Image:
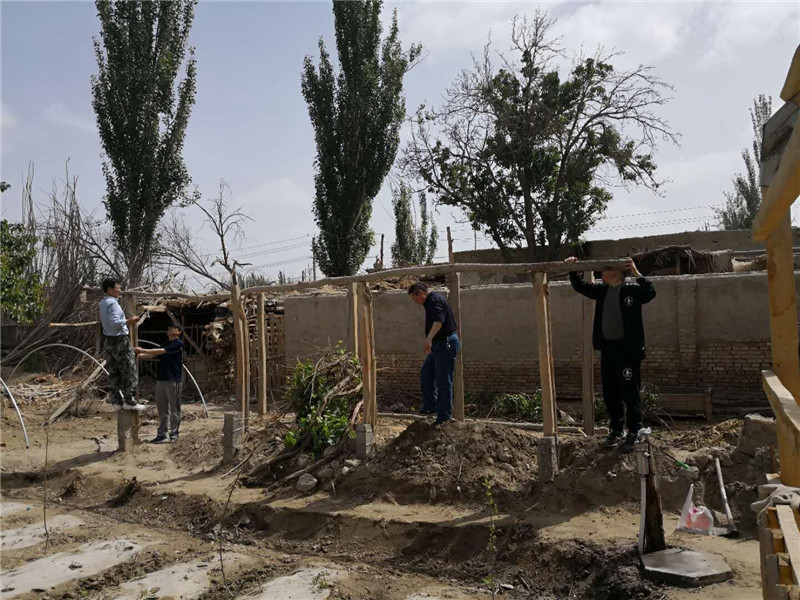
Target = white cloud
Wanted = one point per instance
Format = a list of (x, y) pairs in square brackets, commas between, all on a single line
[(7, 119), (742, 27), (60, 114), (644, 31)]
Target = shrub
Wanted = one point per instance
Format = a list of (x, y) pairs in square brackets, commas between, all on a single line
[(323, 393)]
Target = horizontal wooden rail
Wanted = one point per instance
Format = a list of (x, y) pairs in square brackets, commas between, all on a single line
[(787, 416), (551, 268)]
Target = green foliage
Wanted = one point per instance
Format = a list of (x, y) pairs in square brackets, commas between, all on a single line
[(332, 380), (528, 153), (356, 115), (513, 407), (142, 117), (412, 245), (742, 204), (23, 297)]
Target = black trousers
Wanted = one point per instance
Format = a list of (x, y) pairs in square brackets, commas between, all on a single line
[(621, 382)]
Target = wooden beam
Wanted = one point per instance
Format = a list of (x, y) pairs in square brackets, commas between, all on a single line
[(791, 87), (791, 538), (782, 192), (83, 324), (242, 358), (367, 348), (352, 319), (131, 308), (783, 307), (787, 419), (545, 354), (262, 357), (587, 360), (188, 338), (455, 305), (551, 268), (458, 375)]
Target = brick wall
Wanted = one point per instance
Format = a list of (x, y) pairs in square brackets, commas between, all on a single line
[(732, 370)]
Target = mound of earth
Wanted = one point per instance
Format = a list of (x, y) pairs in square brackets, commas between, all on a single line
[(428, 463)]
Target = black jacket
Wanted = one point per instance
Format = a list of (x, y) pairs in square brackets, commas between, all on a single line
[(631, 297)]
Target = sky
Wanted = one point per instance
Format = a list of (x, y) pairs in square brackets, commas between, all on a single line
[(250, 124)]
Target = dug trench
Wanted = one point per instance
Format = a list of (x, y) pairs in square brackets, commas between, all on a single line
[(381, 522)]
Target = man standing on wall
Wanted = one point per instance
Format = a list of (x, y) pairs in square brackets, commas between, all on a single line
[(120, 360), (168, 383), (619, 336), (442, 346)]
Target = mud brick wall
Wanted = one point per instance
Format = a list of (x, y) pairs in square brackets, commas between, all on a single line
[(704, 331)]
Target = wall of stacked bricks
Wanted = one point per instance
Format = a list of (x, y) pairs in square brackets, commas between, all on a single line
[(703, 331)]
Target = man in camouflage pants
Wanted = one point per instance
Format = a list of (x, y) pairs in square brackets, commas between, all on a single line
[(120, 359)]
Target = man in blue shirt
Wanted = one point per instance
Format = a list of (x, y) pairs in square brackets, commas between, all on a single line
[(168, 384), (120, 360), (442, 346)]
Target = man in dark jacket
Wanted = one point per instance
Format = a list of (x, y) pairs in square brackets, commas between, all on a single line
[(168, 384), (442, 346), (618, 334)]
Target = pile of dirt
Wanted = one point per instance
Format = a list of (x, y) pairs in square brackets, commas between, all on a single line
[(450, 462)]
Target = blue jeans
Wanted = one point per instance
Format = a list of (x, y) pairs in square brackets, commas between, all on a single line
[(436, 378)]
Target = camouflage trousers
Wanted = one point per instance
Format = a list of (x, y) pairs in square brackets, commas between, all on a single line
[(121, 367)]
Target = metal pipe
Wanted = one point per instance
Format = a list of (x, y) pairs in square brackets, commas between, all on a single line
[(24, 358), (189, 373), (19, 414)]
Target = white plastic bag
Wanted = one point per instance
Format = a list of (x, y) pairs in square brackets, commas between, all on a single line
[(695, 519)]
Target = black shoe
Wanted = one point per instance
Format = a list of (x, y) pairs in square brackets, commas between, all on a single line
[(613, 439), (173, 437), (630, 440), (160, 439)]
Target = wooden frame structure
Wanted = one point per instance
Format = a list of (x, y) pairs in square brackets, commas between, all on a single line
[(779, 535), (360, 338)]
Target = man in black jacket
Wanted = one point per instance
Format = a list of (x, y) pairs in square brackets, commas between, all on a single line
[(619, 336)]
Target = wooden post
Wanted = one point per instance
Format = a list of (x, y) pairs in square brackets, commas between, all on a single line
[(133, 332), (262, 357), (654, 516), (231, 437), (783, 306), (587, 362), (367, 347), (241, 347), (545, 354), (352, 319), (455, 304), (245, 328)]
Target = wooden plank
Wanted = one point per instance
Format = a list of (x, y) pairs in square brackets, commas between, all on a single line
[(367, 347), (777, 133), (545, 354), (83, 324), (239, 348), (245, 328), (263, 371), (783, 307), (782, 192), (787, 418), (352, 319), (791, 537), (791, 86), (587, 360)]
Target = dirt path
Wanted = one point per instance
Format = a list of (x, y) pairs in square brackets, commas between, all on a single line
[(163, 534)]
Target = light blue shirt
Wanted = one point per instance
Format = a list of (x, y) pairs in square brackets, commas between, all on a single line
[(112, 317)]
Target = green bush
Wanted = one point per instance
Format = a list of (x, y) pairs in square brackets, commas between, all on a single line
[(334, 376), (514, 407), (23, 294)]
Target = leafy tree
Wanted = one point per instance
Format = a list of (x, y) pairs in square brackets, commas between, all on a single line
[(142, 117), (4, 186), (356, 115), (741, 205), (529, 153), (412, 245), (23, 296)]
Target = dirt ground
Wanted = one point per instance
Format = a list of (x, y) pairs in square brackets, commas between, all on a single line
[(414, 522)]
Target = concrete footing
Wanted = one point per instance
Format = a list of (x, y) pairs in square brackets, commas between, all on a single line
[(364, 441), (128, 421), (687, 568), (547, 453), (231, 436)]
